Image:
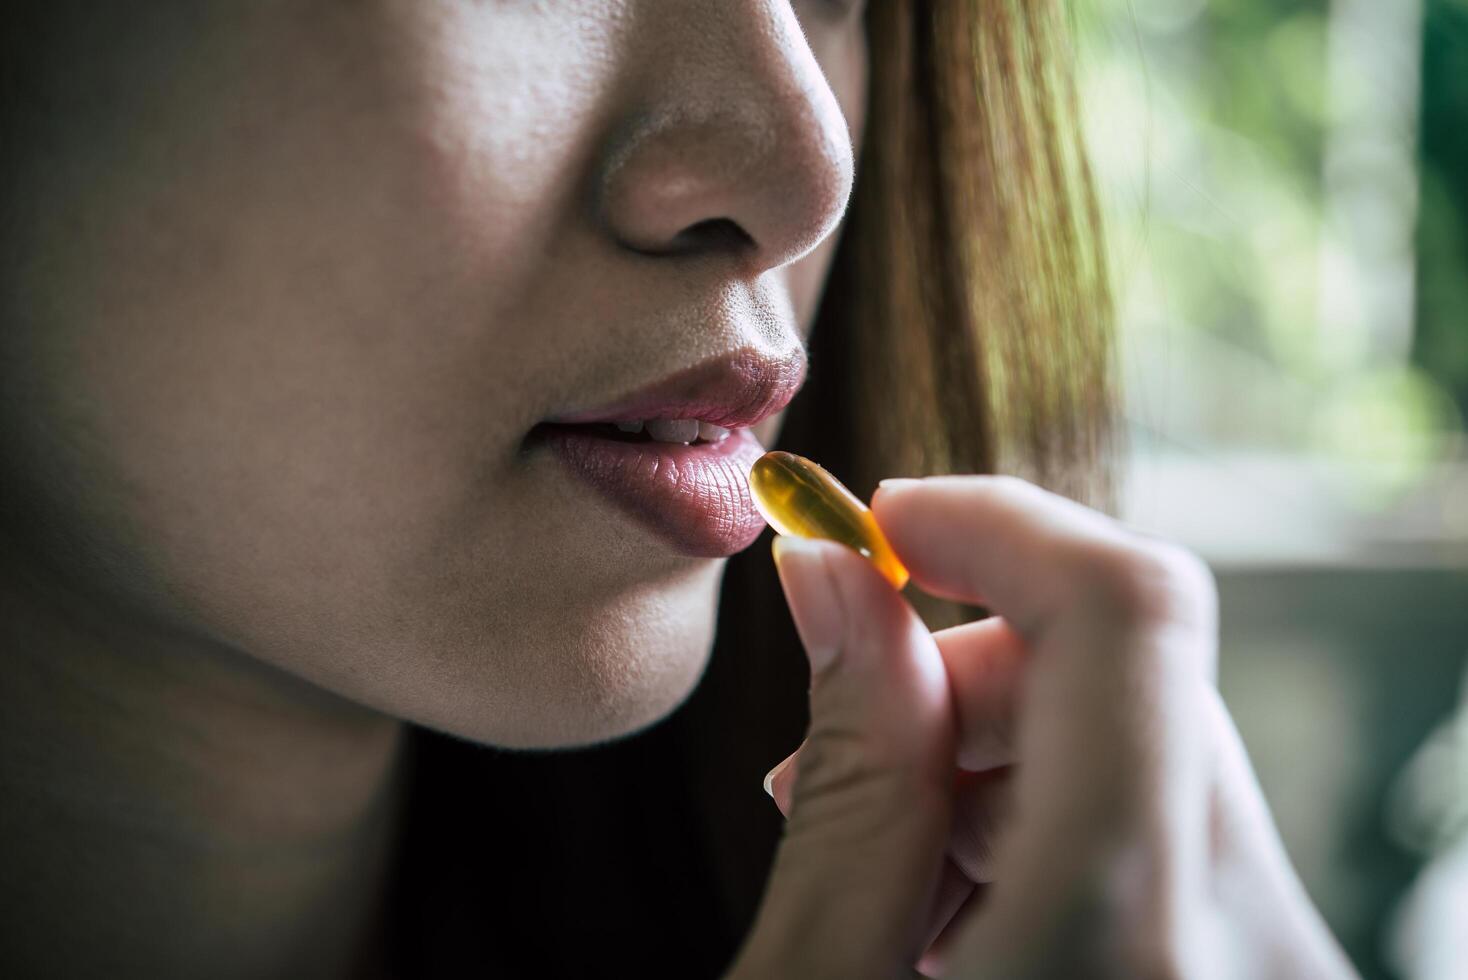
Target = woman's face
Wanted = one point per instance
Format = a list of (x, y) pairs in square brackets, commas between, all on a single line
[(293, 289)]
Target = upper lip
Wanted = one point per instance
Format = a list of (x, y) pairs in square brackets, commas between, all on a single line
[(737, 389)]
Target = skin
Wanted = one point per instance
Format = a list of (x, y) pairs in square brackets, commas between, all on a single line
[(1056, 791), (286, 284)]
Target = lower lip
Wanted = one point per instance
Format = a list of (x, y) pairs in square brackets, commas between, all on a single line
[(696, 496)]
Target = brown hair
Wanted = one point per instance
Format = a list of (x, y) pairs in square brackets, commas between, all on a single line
[(966, 325), (964, 329)]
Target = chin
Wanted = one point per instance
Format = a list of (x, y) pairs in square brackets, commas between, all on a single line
[(611, 671)]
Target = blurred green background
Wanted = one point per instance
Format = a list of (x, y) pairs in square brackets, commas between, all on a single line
[(1286, 186)]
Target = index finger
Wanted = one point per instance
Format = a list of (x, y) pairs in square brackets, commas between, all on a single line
[(1121, 633), (1033, 556)]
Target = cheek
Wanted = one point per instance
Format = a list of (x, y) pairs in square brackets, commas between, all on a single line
[(300, 318), (501, 123), (284, 378)]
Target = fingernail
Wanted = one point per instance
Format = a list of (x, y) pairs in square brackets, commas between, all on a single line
[(898, 483), (770, 776), (819, 616)]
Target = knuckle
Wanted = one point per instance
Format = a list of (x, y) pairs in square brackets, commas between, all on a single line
[(1147, 582), (845, 773), (841, 761)]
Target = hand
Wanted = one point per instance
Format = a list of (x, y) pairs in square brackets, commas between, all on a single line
[(1056, 791)]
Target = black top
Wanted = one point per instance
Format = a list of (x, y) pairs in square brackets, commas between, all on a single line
[(645, 857)]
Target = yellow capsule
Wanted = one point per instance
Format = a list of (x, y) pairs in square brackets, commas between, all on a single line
[(801, 499)]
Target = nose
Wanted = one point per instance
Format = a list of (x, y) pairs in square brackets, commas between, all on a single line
[(734, 143)]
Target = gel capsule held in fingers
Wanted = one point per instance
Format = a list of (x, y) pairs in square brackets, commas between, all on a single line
[(801, 499)]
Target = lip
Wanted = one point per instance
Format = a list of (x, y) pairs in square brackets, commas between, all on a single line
[(734, 391), (696, 496)]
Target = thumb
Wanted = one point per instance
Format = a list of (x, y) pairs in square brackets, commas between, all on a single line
[(859, 863)]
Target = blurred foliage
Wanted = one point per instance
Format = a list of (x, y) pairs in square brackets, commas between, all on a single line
[(1442, 240), (1286, 186), (1266, 238)]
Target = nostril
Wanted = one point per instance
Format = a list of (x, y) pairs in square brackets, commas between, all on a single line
[(756, 175), (711, 235)]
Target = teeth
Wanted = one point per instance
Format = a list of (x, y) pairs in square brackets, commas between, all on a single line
[(673, 430), (709, 432), (683, 431)]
